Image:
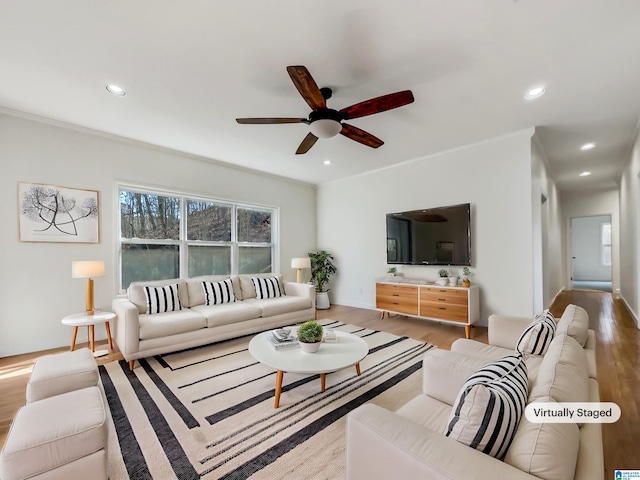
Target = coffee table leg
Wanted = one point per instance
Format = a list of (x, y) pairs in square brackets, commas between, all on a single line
[(73, 338), (323, 381), (358, 368), (279, 377)]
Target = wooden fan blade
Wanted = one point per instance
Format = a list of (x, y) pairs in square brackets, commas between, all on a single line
[(307, 87), (270, 120), (378, 104), (308, 142), (359, 135)]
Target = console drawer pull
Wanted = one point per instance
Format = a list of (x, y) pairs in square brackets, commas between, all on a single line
[(442, 299)]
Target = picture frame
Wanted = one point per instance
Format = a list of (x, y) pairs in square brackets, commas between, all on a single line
[(50, 213)]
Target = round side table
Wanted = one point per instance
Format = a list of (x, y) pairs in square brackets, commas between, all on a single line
[(81, 320)]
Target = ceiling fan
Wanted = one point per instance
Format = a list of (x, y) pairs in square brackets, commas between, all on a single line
[(326, 122)]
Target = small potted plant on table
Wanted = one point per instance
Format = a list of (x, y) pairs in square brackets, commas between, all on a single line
[(466, 273), (310, 336)]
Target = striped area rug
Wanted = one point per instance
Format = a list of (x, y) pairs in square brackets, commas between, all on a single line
[(208, 412)]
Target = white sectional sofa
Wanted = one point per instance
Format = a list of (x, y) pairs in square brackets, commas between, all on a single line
[(140, 334), (410, 442)]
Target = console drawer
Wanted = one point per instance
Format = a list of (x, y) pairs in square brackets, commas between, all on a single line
[(445, 311), (397, 298), (444, 295)]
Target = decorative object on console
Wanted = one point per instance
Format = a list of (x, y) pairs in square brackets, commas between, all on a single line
[(88, 270), (310, 336), (391, 272), (322, 268), (466, 273), (299, 264), (444, 277)]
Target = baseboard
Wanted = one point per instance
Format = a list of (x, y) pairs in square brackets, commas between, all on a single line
[(630, 310)]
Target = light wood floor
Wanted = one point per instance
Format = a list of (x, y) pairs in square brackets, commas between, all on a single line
[(618, 358)]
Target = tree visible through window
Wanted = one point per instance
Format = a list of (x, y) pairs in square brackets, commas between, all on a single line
[(605, 240), (168, 236)]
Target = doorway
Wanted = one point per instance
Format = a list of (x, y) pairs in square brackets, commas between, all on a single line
[(591, 253)]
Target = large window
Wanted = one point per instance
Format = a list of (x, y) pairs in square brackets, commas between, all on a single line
[(165, 235)]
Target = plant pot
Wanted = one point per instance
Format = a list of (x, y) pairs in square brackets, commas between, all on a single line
[(442, 281), (310, 347), (466, 282), (322, 301), (453, 281)]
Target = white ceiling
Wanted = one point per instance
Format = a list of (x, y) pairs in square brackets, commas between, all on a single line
[(191, 67)]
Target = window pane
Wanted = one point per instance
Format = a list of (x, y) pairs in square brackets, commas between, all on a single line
[(254, 226), (606, 234), (149, 262), (254, 260), (145, 215), (209, 260), (208, 221), (606, 255)]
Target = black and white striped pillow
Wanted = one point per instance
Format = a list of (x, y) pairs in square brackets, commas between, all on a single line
[(162, 299), (216, 293), (538, 335), (490, 405), (268, 287)]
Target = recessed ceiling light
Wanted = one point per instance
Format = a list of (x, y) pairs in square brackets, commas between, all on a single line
[(587, 146), (116, 90), (327, 162), (534, 93), (585, 174)]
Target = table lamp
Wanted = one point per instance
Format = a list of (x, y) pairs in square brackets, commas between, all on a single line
[(300, 263), (88, 270)]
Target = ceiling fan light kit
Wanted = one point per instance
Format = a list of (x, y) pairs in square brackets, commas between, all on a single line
[(326, 122)]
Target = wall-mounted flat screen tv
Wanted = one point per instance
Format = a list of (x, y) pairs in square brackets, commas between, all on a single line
[(431, 236)]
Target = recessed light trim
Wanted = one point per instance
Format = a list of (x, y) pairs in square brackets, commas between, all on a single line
[(534, 93), (585, 174), (116, 90), (588, 146), (326, 163)]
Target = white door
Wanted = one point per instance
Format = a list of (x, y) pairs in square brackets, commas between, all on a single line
[(591, 252)]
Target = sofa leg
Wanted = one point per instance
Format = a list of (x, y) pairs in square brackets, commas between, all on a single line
[(131, 364)]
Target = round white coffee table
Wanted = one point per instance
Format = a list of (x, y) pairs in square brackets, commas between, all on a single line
[(82, 320), (348, 350)]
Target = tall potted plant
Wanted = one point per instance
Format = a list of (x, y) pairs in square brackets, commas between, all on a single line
[(322, 268)]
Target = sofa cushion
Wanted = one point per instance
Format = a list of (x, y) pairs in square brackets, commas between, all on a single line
[(216, 293), (489, 406), (162, 299), (267, 287), (247, 288), (545, 450), (227, 313), (563, 373), (196, 292), (575, 323), (170, 323), (136, 294), (537, 336), (276, 306)]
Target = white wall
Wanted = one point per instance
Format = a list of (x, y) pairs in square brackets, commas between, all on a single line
[(630, 233), (36, 288), (547, 231), (588, 204), (494, 176)]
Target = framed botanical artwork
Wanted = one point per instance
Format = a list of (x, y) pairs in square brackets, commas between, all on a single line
[(48, 213)]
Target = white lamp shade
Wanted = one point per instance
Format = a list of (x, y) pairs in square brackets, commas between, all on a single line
[(325, 128), (87, 269), (304, 262)]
